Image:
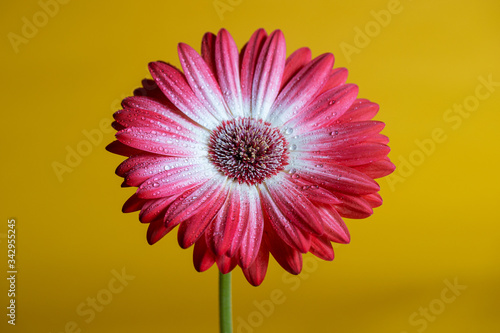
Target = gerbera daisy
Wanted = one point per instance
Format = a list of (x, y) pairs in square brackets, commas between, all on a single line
[(250, 153)]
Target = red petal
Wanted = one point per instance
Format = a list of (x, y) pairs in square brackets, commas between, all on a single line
[(174, 85), (288, 258), (248, 63), (208, 50), (202, 82), (154, 208), (256, 272), (230, 223), (353, 207), (360, 110), (335, 228), (174, 181), (377, 169), (116, 147), (322, 248), (226, 264), (228, 72), (156, 231), (160, 142), (294, 63), (294, 205), (301, 89), (203, 258), (205, 200), (325, 108), (252, 238), (268, 74), (133, 204), (291, 234), (336, 178), (337, 77)]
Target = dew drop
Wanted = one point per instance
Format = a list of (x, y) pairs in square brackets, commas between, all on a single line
[(289, 131), (156, 184), (293, 147)]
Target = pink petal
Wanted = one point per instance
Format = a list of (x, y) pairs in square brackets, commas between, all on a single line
[(301, 89), (116, 126), (288, 258), (174, 85), (161, 142), (156, 231), (136, 160), (151, 90), (256, 272), (360, 110), (379, 138), (337, 77), (192, 228), (202, 82), (230, 223), (226, 264), (268, 74), (116, 147), (336, 178), (154, 168), (228, 72), (322, 248), (248, 63), (325, 108), (359, 154), (133, 204), (335, 228), (203, 258), (153, 208), (294, 63), (252, 237), (294, 205), (285, 230), (353, 207), (310, 189), (204, 200), (165, 108), (175, 180), (377, 169), (374, 199), (340, 135), (208, 50), (132, 117)]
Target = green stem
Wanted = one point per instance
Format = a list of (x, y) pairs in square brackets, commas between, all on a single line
[(225, 315)]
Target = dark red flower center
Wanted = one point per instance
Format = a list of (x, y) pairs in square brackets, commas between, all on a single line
[(248, 150)]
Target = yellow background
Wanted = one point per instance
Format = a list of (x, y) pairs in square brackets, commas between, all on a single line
[(439, 224)]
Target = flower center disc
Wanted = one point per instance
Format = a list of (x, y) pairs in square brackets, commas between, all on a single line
[(248, 150)]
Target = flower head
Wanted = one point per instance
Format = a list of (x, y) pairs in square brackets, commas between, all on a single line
[(250, 153)]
